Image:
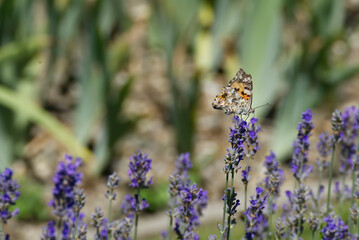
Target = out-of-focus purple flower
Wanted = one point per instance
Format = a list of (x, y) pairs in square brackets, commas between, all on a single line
[(245, 175), (325, 148), (193, 200), (179, 179), (298, 208), (112, 184), (8, 195), (280, 228), (337, 124), (183, 164), (212, 237), (251, 143), (354, 213), (274, 174), (344, 193), (313, 222), (79, 200), (299, 166), (68, 228), (65, 180), (121, 229), (231, 201), (348, 138), (254, 213), (139, 165), (132, 205), (49, 231), (100, 223), (334, 228), (237, 137)]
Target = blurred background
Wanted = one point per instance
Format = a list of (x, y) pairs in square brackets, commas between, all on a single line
[(100, 79)]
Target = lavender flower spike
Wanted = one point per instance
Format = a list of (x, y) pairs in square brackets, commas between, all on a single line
[(237, 137), (301, 145), (251, 143), (254, 213), (193, 200), (334, 228), (8, 195), (183, 165), (274, 174), (139, 165), (65, 180)]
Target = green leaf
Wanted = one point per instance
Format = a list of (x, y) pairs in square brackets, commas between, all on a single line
[(36, 114), (301, 96), (259, 47)]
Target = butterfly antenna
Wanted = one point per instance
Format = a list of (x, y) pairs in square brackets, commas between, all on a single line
[(267, 104)]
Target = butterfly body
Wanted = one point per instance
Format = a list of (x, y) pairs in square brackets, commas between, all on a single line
[(236, 97)]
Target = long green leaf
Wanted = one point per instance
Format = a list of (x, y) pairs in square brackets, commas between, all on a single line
[(35, 113)]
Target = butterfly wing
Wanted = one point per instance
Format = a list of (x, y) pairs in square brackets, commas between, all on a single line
[(236, 97)]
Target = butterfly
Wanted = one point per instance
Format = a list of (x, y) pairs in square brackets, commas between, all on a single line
[(236, 97)]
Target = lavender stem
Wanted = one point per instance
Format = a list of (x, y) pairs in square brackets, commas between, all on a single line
[(330, 178), (224, 206), (136, 215), (230, 206)]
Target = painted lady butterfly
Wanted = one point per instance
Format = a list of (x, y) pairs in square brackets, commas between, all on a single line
[(236, 97)]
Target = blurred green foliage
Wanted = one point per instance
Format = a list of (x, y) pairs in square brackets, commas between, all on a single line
[(61, 44), (30, 199)]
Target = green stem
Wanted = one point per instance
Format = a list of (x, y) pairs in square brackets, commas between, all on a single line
[(330, 179), (245, 197), (59, 224), (230, 206), (76, 224), (269, 236), (224, 206), (352, 197), (171, 223), (109, 214), (2, 234), (313, 235), (136, 215), (320, 184)]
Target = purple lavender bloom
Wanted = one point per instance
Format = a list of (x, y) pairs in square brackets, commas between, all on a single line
[(231, 201), (193, 200), (348, 137), (112, 184), (8, 195), (139, 165), (183, 164), (325, 148), (121, 229), (274, 174), (254, 213), (251, 143), (65, 180), (337, 124), (299, 166), (49, 232), (79, 200), (100, 223), (237, 137), (245, 175), (334, 228), (133, 205), (212, 237)]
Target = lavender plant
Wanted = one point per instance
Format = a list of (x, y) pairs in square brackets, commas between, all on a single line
[(139, 166), (9, 193), (187, 200)]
